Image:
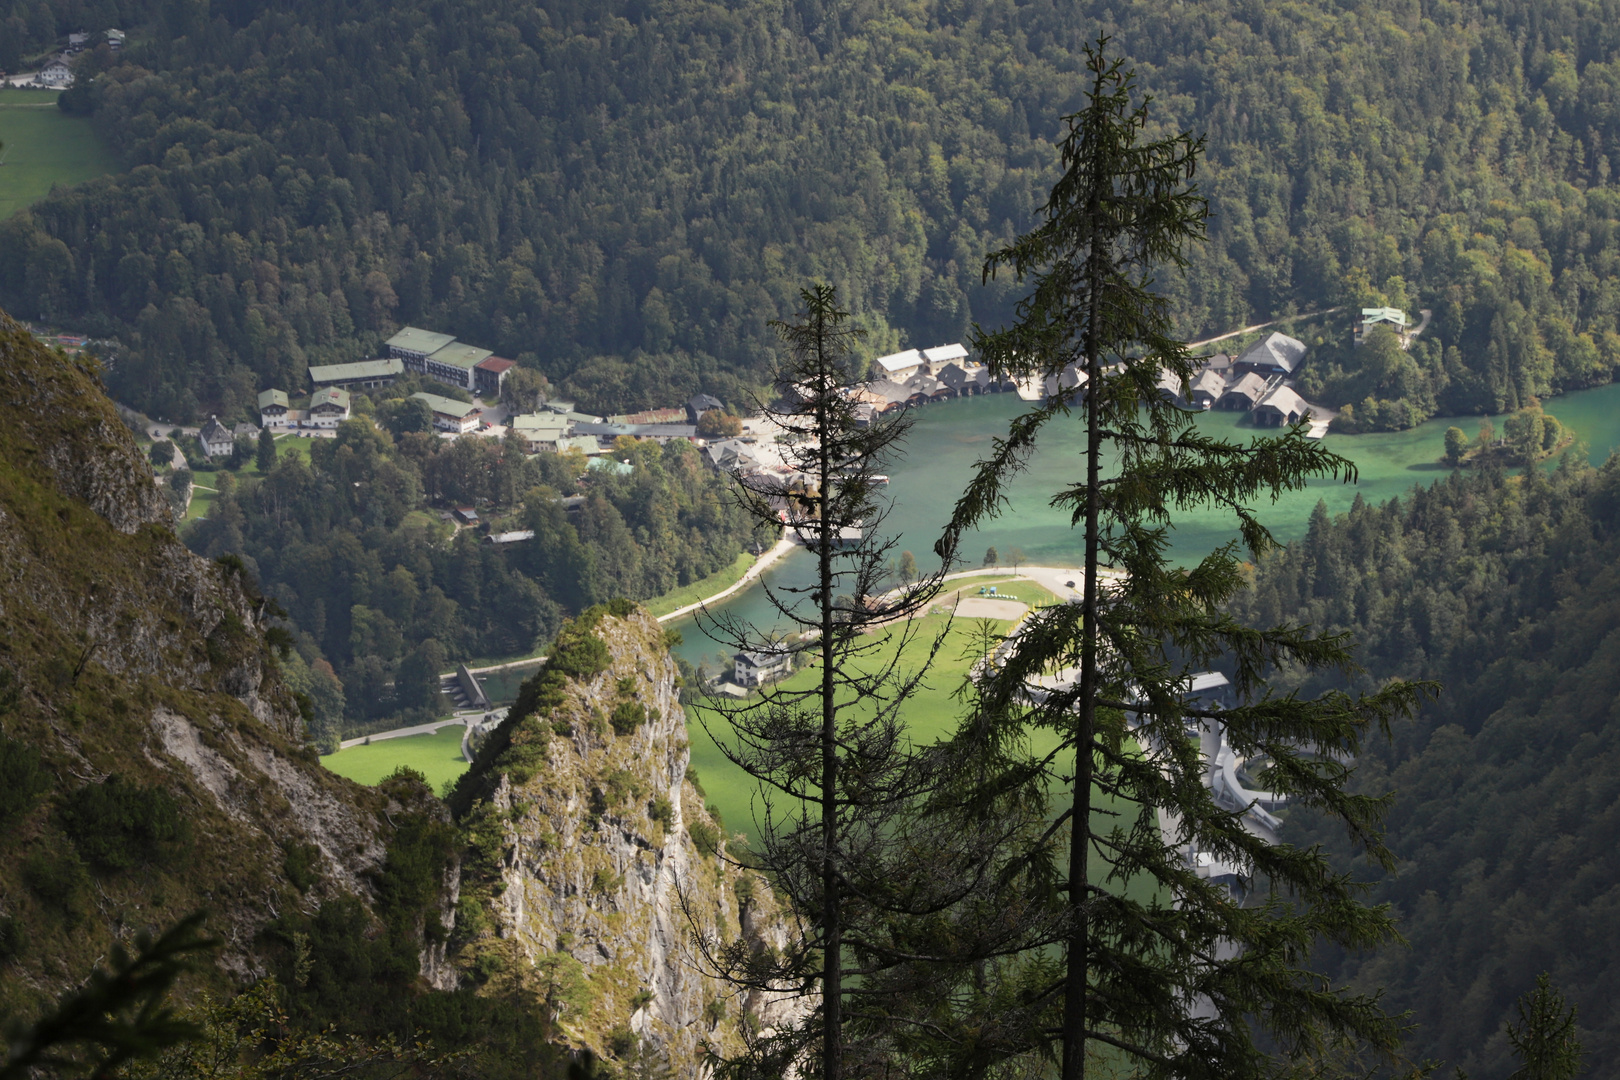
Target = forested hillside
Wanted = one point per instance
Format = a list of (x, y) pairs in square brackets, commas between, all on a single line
[(1507, 788), (389, 595), (623, 193)]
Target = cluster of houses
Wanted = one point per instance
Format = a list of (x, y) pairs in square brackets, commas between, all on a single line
[(1256, 381), (57, 72)]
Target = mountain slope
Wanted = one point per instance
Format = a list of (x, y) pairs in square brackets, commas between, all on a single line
[(154, 763), (624, 194), (1506, 815)]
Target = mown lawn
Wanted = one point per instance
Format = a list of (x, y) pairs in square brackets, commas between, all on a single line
[(44, 146), (691, 594), (931, 713), (436, 756)]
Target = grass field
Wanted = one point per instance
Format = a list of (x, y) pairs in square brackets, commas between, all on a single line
[(931, 714), (436, 756), (44, 146), (691, 594)]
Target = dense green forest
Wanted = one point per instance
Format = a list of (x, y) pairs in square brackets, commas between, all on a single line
[(386, 595), (624, 193), (1507, 787)]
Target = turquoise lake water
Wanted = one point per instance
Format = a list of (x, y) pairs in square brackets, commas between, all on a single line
[(948, 438)]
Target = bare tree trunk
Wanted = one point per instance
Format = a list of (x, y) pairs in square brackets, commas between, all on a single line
[(832, 963)]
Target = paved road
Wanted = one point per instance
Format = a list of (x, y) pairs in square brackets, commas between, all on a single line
[(404, 732), (783, 546)]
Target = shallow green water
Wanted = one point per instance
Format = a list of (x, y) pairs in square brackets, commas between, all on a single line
[(950, 437)]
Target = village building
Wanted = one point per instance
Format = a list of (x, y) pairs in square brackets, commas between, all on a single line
[(328, 408), (115, 39), (517, 536), (756, 668), (589, 445), (457, 417), (900, 366), (700, 404), (55, 73), (1244, 394), (1274, 354), (1372, 318), (360, 375), (1070, 382), (540, 430), (940, 355), (273, 408), (217, 439), (489, 375), (414, 346), (1281, 407), (1207, 388)]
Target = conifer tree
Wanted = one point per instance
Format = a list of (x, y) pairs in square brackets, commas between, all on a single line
[(848, 835), (1160, 964)]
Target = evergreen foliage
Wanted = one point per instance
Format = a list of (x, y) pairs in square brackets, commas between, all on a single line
[(624, 194), (1160, 963), (380, 589), (1505, 590)]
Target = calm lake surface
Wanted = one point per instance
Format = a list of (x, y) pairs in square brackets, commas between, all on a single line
[(948, 438)]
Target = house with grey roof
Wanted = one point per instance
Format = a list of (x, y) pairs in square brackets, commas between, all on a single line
[(1244, 394), (1282, 407), (1274, 354), (217, 439), (1207, 388), (758, 667), (456, 417)]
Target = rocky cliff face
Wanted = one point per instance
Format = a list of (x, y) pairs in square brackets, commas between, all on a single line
[(131, 657), (593, 868)]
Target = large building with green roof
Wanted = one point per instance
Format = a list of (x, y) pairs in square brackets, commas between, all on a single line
[(362, 375), (455, 363)]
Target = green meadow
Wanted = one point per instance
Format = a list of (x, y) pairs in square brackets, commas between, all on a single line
[(931, 714), (436, 756), (44, 147)]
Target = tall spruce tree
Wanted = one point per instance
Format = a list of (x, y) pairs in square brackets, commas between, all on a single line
[(1160, 963), (846, 834)]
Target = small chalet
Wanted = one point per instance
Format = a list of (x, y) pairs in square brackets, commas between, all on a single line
[(1374, 317), (115, 40), (328, 408), (1207, 388), (700, 404), (1274, 354), (1244, 394), (451, 415), (273, 408), (55, 73), (1281, 408), (217, 439), (759, 668)]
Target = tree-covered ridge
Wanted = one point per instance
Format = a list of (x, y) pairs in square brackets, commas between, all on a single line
[(624, 194), (1505, 590), (388, 595)]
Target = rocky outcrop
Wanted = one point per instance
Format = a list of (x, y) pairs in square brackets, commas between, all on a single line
[(132, 656), (598, 862)]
